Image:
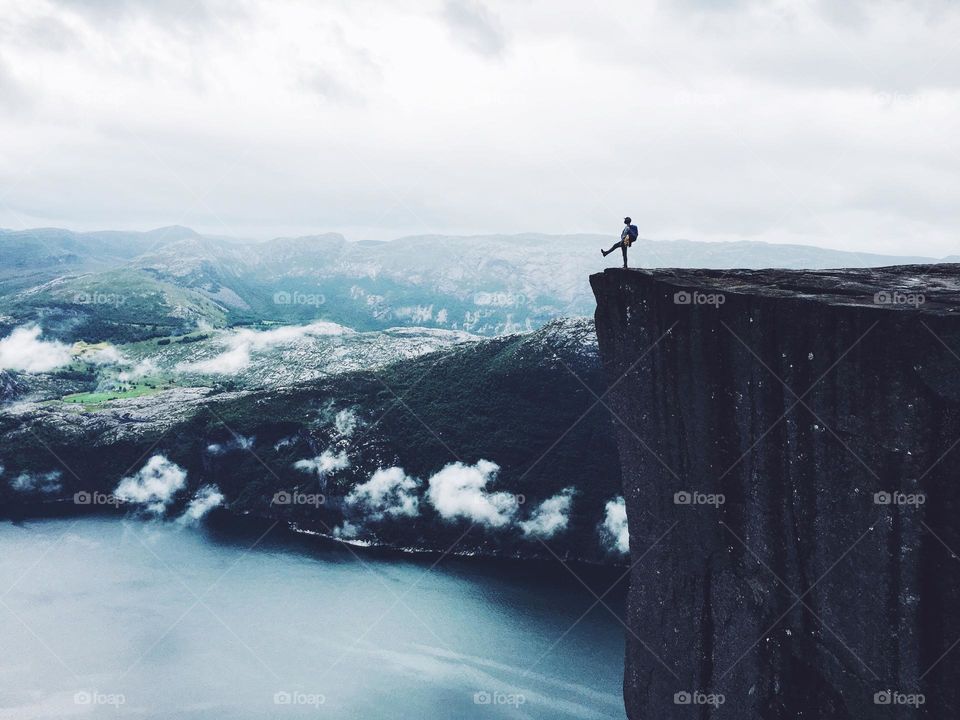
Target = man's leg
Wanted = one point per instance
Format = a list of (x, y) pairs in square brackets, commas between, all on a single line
[(623, 246), (615, 246)]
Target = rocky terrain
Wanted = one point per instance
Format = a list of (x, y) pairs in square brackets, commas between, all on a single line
[(787, 443)]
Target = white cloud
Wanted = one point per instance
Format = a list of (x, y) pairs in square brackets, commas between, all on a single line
[(107, 355), (204, 500), (345, 422), (388, 492), (346, 531), (459, 491), (472, 24), (324, 464), (284, 442), (44, 483), (264, 339), (550, 517), (244, 342), (154, 486), (237, 442), (613, 531), (24, 350), (143, 368), (227, 363)]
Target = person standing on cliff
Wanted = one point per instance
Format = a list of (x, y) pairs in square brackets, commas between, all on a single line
[(627, 238)]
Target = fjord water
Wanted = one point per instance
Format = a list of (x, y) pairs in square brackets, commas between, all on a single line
[(111, 618)]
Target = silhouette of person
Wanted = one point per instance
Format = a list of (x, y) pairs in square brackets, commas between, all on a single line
[(627, 238)]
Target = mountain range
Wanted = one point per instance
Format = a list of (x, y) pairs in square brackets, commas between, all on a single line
[(127, 286)]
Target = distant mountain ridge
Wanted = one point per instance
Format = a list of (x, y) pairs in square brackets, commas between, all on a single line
[(169, 280)]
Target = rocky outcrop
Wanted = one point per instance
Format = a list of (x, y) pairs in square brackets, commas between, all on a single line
[(789, 449)]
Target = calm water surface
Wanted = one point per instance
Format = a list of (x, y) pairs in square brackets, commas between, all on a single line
[(109, 618)]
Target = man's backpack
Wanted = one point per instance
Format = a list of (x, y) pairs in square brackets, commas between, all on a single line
[(632, 235)]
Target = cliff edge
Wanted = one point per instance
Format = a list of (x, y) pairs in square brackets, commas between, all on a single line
[(788, 443)]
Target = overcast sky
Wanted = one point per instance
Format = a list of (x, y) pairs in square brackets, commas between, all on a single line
[(833, 123)]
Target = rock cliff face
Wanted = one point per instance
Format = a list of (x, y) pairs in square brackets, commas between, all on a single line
[(790, 448)]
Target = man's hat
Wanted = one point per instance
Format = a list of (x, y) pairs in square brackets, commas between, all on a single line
[(627, 220)]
